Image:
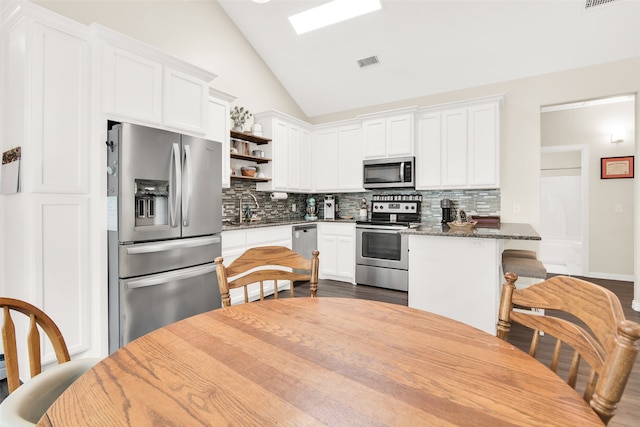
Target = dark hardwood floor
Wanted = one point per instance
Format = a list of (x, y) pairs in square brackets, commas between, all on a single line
[(628, 414)]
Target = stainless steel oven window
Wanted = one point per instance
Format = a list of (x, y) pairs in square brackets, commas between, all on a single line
[(381, 245)]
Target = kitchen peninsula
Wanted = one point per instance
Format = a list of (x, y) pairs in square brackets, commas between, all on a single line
[(458, 274)]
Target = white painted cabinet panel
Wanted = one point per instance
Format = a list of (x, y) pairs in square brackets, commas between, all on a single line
[(294, 166), (185, 102), (49, 228), (388, 135), (325, 149), (60, 105), (336, 243), (429, 150), (307, 163), (132, 85), (338, 158), (458, 146), (219, 131)]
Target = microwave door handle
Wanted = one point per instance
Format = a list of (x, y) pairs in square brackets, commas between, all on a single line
[(175, 180), (401, 171), (186, 201)]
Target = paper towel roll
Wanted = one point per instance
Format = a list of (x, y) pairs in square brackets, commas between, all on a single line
[(279, 196)]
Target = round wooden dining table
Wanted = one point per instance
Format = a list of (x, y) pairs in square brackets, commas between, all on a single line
[(319, 361)]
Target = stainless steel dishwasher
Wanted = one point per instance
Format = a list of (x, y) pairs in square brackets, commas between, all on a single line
[(305, 239)]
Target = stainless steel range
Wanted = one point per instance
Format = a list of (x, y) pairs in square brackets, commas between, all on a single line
[(382, 252)]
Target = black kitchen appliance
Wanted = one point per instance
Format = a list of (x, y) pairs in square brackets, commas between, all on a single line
[(448, 211)]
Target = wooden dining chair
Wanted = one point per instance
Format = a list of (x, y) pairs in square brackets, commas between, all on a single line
[(26, 403), (263, 263), (586, 318)]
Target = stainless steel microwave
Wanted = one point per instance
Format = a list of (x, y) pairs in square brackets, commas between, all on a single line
[(389, 173)]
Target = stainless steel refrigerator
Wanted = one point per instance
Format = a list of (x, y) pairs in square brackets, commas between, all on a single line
[(164, 228)]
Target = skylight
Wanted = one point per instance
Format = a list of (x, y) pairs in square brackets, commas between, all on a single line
[(331, 13)]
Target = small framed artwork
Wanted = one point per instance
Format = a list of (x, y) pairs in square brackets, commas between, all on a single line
[(616, 167)]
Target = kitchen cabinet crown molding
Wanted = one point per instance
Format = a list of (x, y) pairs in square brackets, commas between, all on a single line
[(223, 96), (15, 11), (499, 98), (388, 113), (139, 48), (271, 114)]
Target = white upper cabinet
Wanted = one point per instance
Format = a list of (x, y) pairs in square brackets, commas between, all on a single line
[(143, 85), (388, 134), (458, 145), (219, 128), (289, 151), (337, 159)]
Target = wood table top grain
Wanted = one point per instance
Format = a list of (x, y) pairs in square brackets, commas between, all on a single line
[(319, 361)]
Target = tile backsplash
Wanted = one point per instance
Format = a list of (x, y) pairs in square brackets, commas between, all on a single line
[(474, 202)]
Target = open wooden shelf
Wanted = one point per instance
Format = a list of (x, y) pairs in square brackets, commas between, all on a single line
[(250, 178), (255, 159), (249, 137)]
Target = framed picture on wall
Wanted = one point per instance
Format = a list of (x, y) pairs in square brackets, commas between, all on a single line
[(616, 167)]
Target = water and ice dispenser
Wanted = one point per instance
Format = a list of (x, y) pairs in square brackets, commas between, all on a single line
[(151, 202)]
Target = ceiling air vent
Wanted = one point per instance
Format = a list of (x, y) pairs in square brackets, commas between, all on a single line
[(368, 61), (594, 3)]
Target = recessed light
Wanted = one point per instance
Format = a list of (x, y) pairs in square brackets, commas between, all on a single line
[(331, 13)]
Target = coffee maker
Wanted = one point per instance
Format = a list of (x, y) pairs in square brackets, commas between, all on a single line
[(329, 207), (448, 211)]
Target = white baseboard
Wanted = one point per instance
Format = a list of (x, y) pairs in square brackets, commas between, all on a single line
[(612, 276)]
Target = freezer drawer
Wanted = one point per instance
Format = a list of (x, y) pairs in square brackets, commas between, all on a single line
[(150, 302), (138, 259)]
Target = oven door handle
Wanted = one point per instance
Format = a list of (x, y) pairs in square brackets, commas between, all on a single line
[(381, 227)]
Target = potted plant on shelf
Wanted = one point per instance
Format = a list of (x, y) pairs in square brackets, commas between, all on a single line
[(239, 116)]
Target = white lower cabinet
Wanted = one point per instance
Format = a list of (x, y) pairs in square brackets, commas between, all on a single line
[(337, 246), (236, 242)]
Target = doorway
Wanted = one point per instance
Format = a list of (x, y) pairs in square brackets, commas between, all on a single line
[(587, 222)]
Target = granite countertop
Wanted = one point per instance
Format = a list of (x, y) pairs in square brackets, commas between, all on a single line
[(228, 226), (506, 230)]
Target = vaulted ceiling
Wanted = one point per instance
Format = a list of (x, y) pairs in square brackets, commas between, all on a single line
[(432, 46)]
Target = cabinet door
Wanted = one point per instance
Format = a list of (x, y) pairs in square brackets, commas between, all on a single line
[(280, 152), (374, 136), (349, 158), (429, 151), (345, 251), (185, 102), (484, 166), (219, 131), (132, 85), (295, 157), (454, 148), (327, 245), (306, 174), (400, 135), (325, 167)]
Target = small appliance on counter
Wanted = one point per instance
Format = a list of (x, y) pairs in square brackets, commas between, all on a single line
[(329, 207), (448, 212), (312, 209)]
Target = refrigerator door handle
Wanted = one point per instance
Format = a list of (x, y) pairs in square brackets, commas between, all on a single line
[(164, 278), (186, 201), (169, 246), (175, 175)]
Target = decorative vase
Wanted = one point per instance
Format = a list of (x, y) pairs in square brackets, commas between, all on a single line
[(237, 127)]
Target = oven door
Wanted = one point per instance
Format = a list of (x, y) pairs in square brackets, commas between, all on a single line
[(382, 246)]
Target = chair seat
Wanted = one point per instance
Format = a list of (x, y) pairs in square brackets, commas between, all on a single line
[(27, 404), (524, 267)]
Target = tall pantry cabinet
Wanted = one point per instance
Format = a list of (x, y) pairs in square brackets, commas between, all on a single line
[(45, 108)]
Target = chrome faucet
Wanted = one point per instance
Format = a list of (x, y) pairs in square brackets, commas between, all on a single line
[(240, 211)]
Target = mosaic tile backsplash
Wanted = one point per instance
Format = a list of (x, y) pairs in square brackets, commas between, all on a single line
[(473, 202)]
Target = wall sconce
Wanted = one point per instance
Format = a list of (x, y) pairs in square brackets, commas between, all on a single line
[(617, 137)]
